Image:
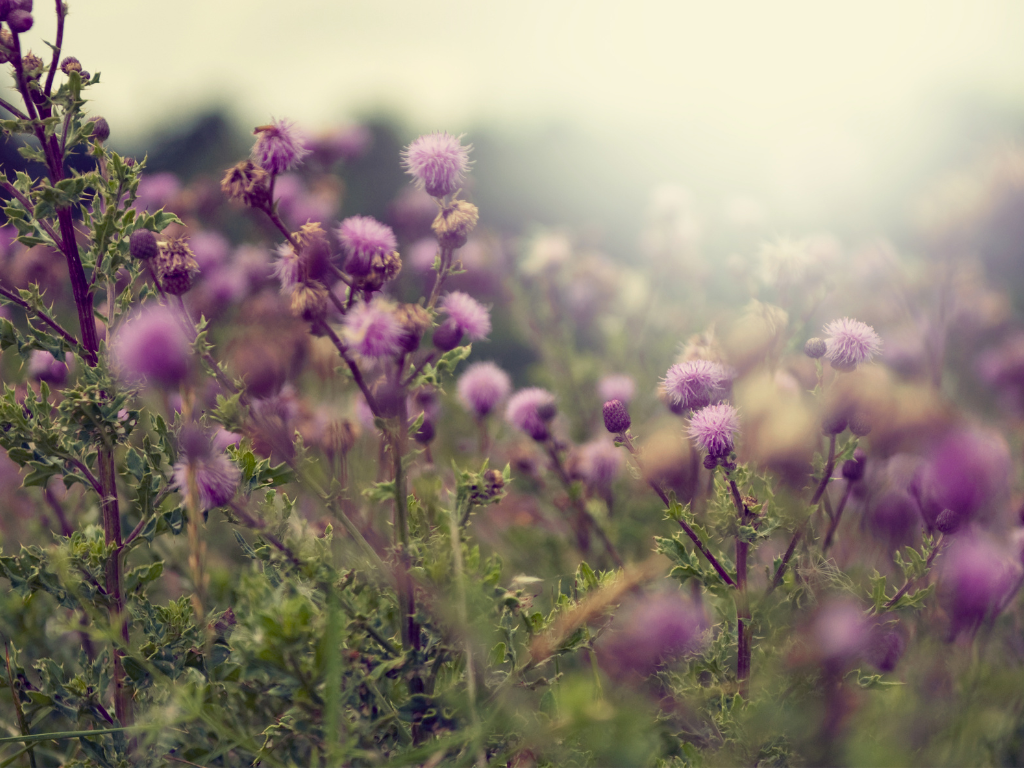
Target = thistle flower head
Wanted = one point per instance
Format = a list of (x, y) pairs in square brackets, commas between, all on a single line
[(695, 384), (600, 462), (482, 387), (278, 147), (849, 343), (467, 314), (363, 239), (712, 429), (287, 268), (438, 162), (45, 367), (176, 266), (523, 411), (152, 346), (373, 330), (216, 476), (616, 416)]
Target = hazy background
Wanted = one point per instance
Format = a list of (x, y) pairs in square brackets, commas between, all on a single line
[(803, 114)]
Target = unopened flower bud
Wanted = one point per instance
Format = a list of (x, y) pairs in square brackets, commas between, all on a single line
[(495, 481), (309, 301), (85, 75), (447, 336), (853, 470), (616, 416), (834, 422), (248, 183), (176, 266), (70, 64), (859, 424), (100, 128), (815, 348), (414, 320), (19, 21), (454, 223), (142, 244), (948, 521), (710, 462), (426, 433)]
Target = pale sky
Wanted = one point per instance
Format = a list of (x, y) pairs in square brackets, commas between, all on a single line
[(802, 89)]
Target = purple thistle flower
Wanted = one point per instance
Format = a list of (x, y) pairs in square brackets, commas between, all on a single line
[(288, 267), (438, 162), (695, 384), (467, 314), (840, 634), (522, 411), (278, 147), (362, 238), (974, 578), (849, 343), (482, 387), (373, 330), (712, 429), (215, 474), (45, 367), (616, 386), (600, 462), (152, 346)]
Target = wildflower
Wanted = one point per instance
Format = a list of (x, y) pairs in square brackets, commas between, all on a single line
[(839, 635), (616, 417), (438, 162), (309, 301), (524, 411), (176, 266), (712, 429), (45, 367), (278, 147), (314, 252), (363, 239), (142, 244), (19, 21), (470, 316), (70, 64), (695, 384), (974, 578), (849, 343), (100, 128), (152, 346), (815, 348), (853, 469), (600, 462), (482, 387), (651, 632), (248, 183), (216, 476), (373, 329), (454, 223), (287, 268), (414, 320), (616, 386)]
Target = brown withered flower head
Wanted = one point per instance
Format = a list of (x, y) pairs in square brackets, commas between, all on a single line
[(176, 266), (247, 182)]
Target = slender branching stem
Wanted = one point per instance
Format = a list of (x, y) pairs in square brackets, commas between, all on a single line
[(830, 536), (55, 61), (743, 650)]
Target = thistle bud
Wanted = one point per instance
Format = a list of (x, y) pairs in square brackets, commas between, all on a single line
[(70, 64), (710, 462), (20, 21), (815, 348), (859, 424), (248, 183), (309, 301), (447, 336), (947, 522), (454, 223), (414, 320), (100, 128), (85, 76), (32, 65), (176, 266), (142, 244), (853, 470), (495, 481), (616, 416), (426, 433), (833, 422)]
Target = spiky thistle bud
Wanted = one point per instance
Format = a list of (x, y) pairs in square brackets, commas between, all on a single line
[(176, 266), (70, 64), (616, 417), (454, 223), (947, 522), (815, 348), (20, 21), (100, 128), (142, 244), (32, 65)]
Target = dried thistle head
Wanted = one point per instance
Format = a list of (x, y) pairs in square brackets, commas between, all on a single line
[(248, 183), (309, 301), (454, 223), (176, 266)]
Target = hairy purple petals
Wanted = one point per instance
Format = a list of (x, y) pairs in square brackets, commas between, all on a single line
[(712, 429), (438, 162), (278, 147), (373, 329), (482, 387), (467, 314), (616, 386), (362, 239), (695, 384), (152, 346), (523, 413), (849, 343)]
